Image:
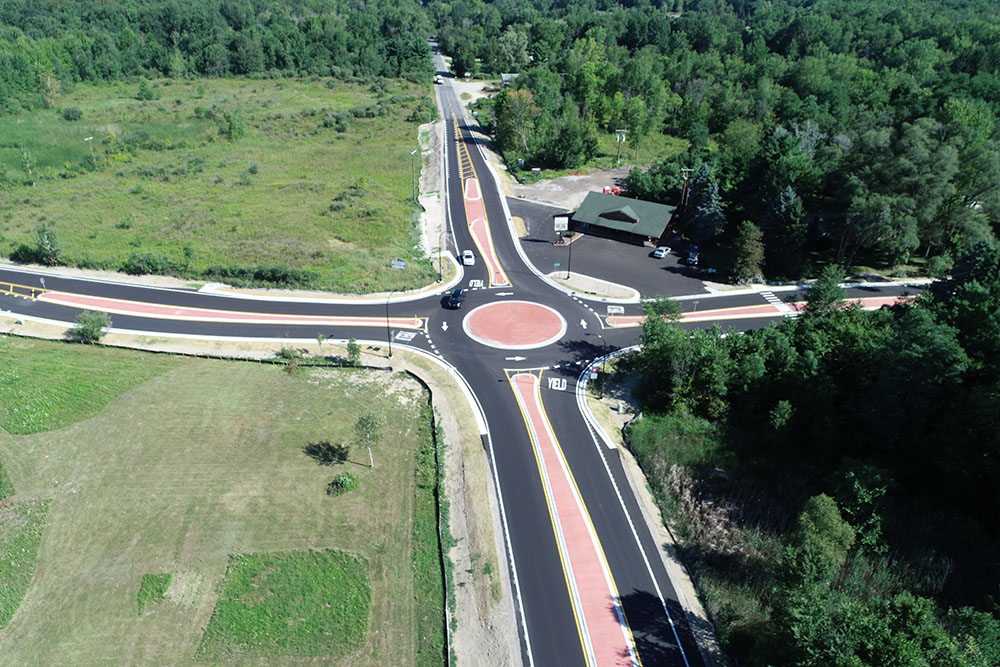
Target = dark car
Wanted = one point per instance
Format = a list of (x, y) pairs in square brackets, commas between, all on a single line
[(456, 298)]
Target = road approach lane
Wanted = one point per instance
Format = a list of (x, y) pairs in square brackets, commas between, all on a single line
[(557, 620)]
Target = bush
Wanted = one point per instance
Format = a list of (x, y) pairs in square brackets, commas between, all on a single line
[(142, 263), (90, 326), (72, 113), (342, 483), (269, 276), (289, 353)]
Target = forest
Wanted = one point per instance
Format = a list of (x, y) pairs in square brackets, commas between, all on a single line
[(833, 478), (48, 45), (840, 129)]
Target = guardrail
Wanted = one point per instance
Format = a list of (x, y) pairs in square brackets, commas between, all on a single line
[(15, 289)]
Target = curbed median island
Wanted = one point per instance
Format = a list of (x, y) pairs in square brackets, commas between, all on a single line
[(296, 603)]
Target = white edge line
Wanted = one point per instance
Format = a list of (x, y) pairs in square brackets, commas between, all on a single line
[(581, 388)]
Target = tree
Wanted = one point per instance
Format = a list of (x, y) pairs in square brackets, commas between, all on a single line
[(708, 220), (748, 254), (236, 126), (826, 294), (516, 113), (48, 250), (90, 326), (353, 352), (368, 427), (785, 234)]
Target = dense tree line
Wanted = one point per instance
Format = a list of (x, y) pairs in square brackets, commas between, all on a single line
[(879, 118), (46, 45), (881, 430)]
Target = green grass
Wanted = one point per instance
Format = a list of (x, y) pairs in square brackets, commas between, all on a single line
[(290, 192), (6, 488), (313, 603), (429, 594), (44, 387), (183, 470), (152, 589), (21, 526)]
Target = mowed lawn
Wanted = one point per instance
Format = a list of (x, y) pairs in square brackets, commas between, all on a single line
[(294, 190), (201, 461)]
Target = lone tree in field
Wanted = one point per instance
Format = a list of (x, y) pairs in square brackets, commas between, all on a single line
[(368, 429), (90, 326)]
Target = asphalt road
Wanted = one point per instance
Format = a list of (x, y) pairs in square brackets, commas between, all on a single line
[(547, 600)]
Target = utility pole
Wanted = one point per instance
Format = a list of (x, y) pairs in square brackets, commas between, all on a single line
[(90, 142), (686, 171), (620, 139)]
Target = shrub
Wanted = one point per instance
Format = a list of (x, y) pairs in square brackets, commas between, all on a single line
[(289, 353), (72, 113), (271, 276), (90, 326), (142, 263), (353, 352), (342, 483)]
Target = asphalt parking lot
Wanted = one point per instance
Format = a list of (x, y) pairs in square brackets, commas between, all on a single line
[(613, 261)]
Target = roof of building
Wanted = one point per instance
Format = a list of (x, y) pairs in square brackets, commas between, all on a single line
[(644, 218)]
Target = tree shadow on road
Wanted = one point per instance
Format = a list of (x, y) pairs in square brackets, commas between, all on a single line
[(654, 634)]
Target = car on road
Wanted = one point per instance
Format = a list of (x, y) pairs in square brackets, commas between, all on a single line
[(661, 252), (468, 259), (456, 298), (438, 79)]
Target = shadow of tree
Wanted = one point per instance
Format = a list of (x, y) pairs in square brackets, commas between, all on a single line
[(654, 634), (326, 453)]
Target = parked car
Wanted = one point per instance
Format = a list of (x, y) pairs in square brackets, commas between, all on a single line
[(468, 259), (692, 257), (456, 298), (661, 252), (438, 79)]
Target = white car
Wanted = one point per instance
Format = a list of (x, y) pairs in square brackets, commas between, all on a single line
[(661, 252), (468, 259)]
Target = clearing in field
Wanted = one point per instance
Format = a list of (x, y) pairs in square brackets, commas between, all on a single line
[(200, 465), (286, 182)]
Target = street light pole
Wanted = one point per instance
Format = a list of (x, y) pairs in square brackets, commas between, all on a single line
[(90, 142), (388, 333), (413, 176), (620, 139), (569, 262)]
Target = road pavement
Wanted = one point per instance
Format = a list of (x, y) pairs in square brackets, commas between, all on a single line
[(590, 584)]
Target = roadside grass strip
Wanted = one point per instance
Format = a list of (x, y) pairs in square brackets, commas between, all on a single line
[(152, 590), (47, 385), (21, 526), (298, 603)]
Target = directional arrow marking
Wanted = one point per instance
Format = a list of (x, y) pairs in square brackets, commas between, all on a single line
[(583, 323), (444, 326), (505, 293), (515, 358)]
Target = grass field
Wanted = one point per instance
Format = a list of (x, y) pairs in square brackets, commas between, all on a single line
[(200, 462), (295, 190), (153, 589), (21, 527), (305, 603)]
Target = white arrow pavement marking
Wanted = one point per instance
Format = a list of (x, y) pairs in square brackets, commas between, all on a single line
[(505, 293), (583, 323), (444, 326), (515, 358)]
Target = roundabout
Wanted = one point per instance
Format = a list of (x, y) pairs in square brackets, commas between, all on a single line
[(514, 325)]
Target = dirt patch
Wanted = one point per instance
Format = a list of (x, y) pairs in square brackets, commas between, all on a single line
[(570, 191)]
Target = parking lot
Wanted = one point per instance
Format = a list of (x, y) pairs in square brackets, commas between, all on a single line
[(605, 259)]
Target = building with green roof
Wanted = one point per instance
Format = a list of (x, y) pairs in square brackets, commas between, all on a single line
[(622, 218)]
